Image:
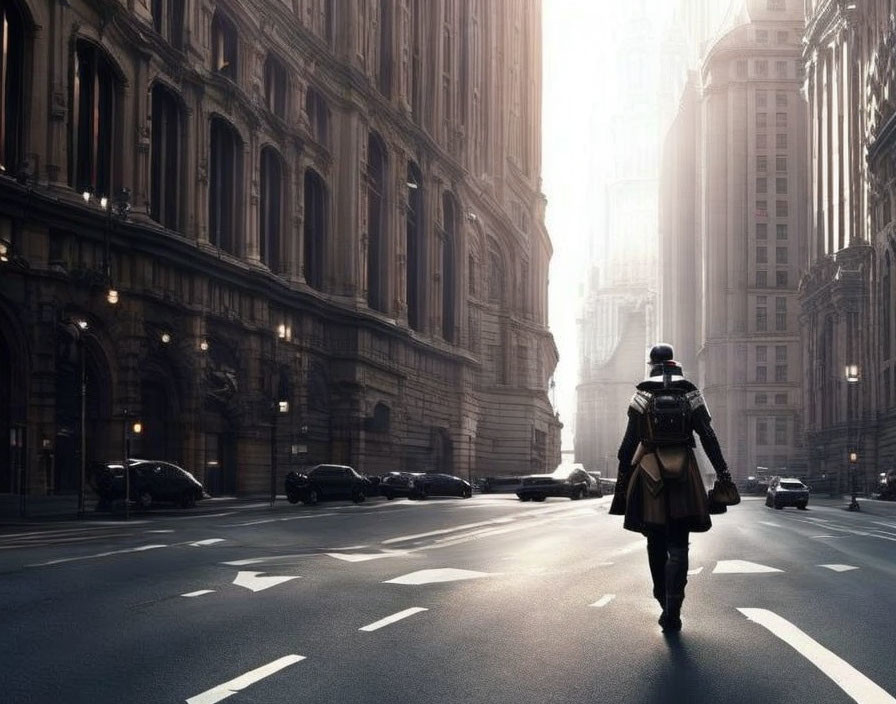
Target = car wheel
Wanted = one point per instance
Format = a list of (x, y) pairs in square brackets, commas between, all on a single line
[(358, 496), (576, 495), (421, 494), (389, 495), (778, 506), (468, 493), (188, 499), (538, 498), (802, 507), (768, 501), (311, 498), (144, 499), (292, 498)]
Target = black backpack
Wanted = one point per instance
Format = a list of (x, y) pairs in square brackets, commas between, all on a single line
[(668, 418)]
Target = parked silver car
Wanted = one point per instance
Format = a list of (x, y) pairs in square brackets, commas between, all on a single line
[(787, 492)]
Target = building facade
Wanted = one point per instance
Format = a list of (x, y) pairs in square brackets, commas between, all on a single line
[(276, 233), (735, 308), (847, 293)]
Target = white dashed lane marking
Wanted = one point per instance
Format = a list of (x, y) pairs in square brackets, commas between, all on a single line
[(392, 619), (222, 691), (445, 574), (604, 600), (840, 568), (742, 567), (365, 557), (141, 548), (696, 570), (201, 592), (256, 583), (208, 541), (844, 675)]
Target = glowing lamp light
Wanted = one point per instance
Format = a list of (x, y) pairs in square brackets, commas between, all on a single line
[(852, 373), (413, 186), (853, 457), (86, 196), (82, 324), (4, 252), (104, 202), (283, 406), (137, 428), (204, 345), (281, 331), (166, 338), (112, 296)]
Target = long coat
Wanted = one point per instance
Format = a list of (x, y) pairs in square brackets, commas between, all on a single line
[(664, 487)]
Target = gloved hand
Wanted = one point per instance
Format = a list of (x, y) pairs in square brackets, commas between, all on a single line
[(724, 476)]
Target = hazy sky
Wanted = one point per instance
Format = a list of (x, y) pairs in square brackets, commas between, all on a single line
[(577, 80)]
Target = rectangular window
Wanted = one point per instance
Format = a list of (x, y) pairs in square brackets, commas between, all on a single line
[(781, 231), (762, 68), (761, 98), (781, 141), (781, 278), (761, 278), (780, 163), (781, 69), (761, 230), (781, 209), (761, 36), (780, 353), (761, 163), (761, 318), (741, 69), (781, 186), (762, 185), (781, 100), (780, 255), (762, 141), (761, 353), (781, 119), (783, 37), (780, 373), (780, 431), (780, 399), (760, 374), (776, 5), (761, 431), (761, 120), (762, 255), (761, 208), (761, 399), (886, 381)]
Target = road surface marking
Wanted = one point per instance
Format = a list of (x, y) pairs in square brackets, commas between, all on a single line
[(161, 530), (100, 554), (443, 531), (742, 567), (844, 675), (256, 583), (881, 523), (276, 520), (444, 574), (364, 557), (696, 570), (222, 691), (207, 541), (827, 536), (201, 592), (202, 515), (604, 600), (840, 568), (769, 523), (393, 618)]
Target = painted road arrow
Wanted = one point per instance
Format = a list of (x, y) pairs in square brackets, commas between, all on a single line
[(255, 582)]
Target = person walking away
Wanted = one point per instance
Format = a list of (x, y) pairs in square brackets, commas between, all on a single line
[(659, 489)]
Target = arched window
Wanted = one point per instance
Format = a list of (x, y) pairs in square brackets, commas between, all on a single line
[(225, 185), (94, 123), (376, 199), (449, 267), (224, 46), (165, 158), (495, 277), (318, 115), (168, 20), (12, 92), (315, 231), (414, 245), (275, 86), (271, 209)]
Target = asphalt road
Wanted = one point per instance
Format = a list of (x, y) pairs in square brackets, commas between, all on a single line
[(481, 600)]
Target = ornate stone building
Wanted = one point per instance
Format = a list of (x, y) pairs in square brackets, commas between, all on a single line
[(275, 233), (847, 294), (732, 241)]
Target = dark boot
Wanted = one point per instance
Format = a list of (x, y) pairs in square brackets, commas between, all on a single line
[(676, 579), (671, 618)]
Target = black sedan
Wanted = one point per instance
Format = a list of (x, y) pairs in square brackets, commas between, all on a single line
[(151, 482), (422, 486), (398, 484), (326, 481), (572, 483)]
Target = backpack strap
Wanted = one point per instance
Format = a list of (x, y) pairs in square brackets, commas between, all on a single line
[(695, 399), (641, 401)]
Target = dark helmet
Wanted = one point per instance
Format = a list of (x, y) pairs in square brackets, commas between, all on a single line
[(661, 353)]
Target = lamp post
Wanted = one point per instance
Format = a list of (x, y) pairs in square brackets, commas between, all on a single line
[(129, 429), (852, 378), (280, 404)]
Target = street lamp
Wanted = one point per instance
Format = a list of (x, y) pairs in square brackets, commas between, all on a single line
[(280, 405), (852, 378), (130, 430)]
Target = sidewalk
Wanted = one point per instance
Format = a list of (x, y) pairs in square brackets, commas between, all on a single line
[(872, 507)]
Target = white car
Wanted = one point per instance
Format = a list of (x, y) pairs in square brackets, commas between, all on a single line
[(787, 491)]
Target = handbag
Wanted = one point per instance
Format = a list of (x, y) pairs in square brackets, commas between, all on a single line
[(723, 493)]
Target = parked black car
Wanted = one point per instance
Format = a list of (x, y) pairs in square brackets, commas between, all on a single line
[(573, 483), (326, 481), (596, 489), (397, 484), (422, 486), (787, 492), (498, 485), (151, 482)]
